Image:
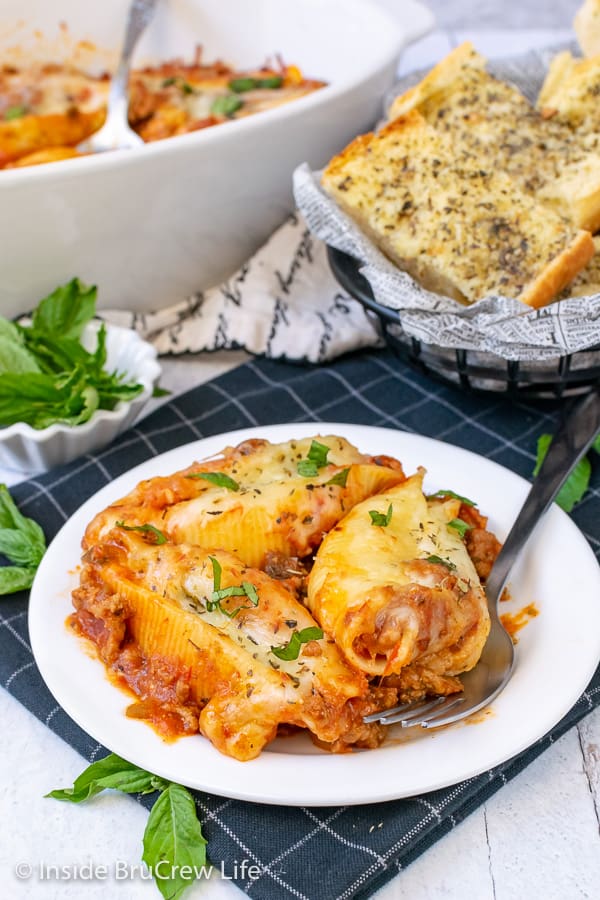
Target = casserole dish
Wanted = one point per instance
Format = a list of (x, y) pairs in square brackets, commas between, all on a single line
[(155, 224)]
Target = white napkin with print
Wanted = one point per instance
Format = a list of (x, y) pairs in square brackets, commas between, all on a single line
[(283, 303)]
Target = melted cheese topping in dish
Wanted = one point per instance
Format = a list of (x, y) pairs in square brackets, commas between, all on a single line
[(296, 585), (46, 110)]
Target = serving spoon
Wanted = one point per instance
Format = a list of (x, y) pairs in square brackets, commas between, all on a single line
[(116, 133), (491, 674)]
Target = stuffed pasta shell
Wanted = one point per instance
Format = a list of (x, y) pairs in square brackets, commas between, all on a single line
[(394, 584), (209, 644), (257, 498)]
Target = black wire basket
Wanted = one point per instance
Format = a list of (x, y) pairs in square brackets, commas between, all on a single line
[(473, 370)]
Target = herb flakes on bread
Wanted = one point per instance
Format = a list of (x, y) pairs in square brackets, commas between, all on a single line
[(459, 226), (494, 121)]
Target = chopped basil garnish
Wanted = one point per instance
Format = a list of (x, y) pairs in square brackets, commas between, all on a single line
[(273, 82), (307, 469), (339, 478), (240, 85), (246, 589), (316, 459), (460, 525), (291, 650), (443, 495), (441, 562), (226, 105), (218, 478), (382, 519), (148, 529), (181, 84), (15, 112)]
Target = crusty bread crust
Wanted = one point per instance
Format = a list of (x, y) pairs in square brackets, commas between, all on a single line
[(459, 230), (560, 271), (439, 80), (570, 93), (587, 27)]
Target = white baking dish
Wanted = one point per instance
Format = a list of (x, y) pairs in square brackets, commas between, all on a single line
[(151, 226)]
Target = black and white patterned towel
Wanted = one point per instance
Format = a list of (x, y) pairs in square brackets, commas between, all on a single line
[(335, 853), (283, 303)]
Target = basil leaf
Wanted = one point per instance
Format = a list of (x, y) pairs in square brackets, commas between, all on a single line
[(307, 469), (15, 112), (226, 105), (596, 444), (272, 82), (11, 517), (318, 454), (460, 526), (316, 459), (65, 312), (17, 546), (217, 478), (245, 590), (239, 85), (217, 570), (291, 650), (251, 592), (11, 331), (14, 357), (382, 519), (440, 562), (576, 484), (22, 541), (110, 772), (444, 495), (150, 530), (173, 836), (15, 578), (340, 478)]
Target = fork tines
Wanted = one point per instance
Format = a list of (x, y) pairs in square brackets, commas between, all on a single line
[(418, 713)]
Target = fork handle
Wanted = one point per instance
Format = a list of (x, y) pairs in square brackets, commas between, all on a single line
[(140, 13), (576, 433)]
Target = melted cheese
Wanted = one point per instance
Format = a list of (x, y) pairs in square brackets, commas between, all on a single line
[(275, 509), (391, 594)]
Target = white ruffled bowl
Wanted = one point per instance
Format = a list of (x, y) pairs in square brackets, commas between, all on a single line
[(31, 450)]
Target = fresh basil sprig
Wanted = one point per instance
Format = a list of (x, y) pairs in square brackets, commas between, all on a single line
[(174, 846), (578, 481), (65, 383), (22, 541), (291, 650)]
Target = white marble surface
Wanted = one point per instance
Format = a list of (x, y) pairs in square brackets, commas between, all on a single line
[(537, 837)]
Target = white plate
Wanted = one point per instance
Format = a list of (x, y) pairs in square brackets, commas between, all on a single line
[(557, 652)]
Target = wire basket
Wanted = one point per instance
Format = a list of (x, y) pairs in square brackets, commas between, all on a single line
[(473, 370)]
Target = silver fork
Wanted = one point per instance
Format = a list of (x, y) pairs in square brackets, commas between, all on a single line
[(116, 133), (484, 682)]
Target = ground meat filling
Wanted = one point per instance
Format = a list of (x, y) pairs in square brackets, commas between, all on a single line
[(482, 546)]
